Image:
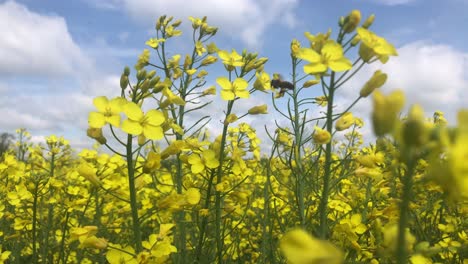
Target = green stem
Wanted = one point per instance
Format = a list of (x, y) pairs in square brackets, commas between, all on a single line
[(34, 223), (323, 210), (133, 199), (402, 254), (218, 198)]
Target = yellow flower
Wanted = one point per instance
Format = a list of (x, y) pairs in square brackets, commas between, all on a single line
[(231, 60), (108, 112), (373, 45), (89, 173), (94, 242), (229, 91), (376, 81), (420, 259), (148, 124), (154, 42), (259, 109), (206, 159), (452, 173), (331, 56), (300, 248), (153, 162), (4, 255), (386, 109), (172, 98), (143, 59), (199, 48), (317, 42), (321, 136), (196, 22), (262, 83), (345, 121), (192, 196), (80, 233), (119, 255), (390, 238)]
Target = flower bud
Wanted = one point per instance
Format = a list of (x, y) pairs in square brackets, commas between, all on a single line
[(151, 74), (295, 47), (123, 81), (376, 81), (126, 70), (260, 109), (177, 23), (209, 60), (230, 119), (414, 132), (141, 140), (341, 22), (355, 40), (309, 83), (368, 21), (352, 21), (144, 86), (211, 90), (141, 75), (96, 133)]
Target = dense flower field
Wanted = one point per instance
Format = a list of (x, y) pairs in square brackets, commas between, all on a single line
[(171, 192)]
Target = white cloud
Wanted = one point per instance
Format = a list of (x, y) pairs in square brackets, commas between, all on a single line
[(431, 75), (35, 44), (244, 19)]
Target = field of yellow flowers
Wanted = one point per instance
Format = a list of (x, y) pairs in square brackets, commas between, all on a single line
[(171, 192)]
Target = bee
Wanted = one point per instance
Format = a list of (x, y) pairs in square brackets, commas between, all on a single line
[(278, 83)]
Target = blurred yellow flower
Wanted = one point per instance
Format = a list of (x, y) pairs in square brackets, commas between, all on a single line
[(321, 136), (300, 248)]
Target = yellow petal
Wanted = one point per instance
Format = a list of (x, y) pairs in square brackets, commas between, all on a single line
[(114, 120), (342, 64), (314, 68), (131, 127), (155, 117), (227, 95), (133, 111), (101, 103), (224, 83), (153, 132), (96, 120), (309, 55), (332, 50), (240, 84)]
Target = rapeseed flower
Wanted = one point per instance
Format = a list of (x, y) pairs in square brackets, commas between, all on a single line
[(300, 248), (331, 56), (148, 124), (108, 112), (206, 159), (231, 90)]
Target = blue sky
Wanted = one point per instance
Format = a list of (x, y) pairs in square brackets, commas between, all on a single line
[(55, 56)]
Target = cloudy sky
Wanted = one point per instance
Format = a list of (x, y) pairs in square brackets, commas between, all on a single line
[(56, 56)]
